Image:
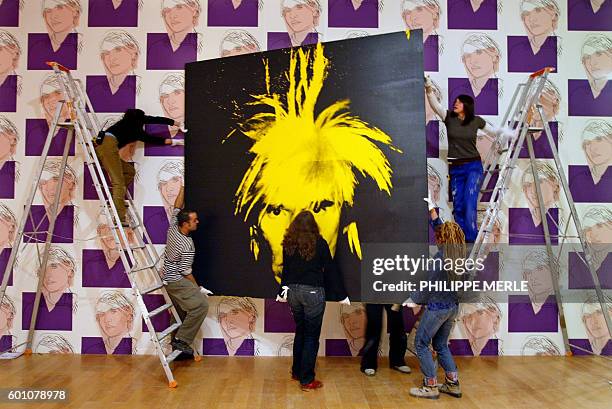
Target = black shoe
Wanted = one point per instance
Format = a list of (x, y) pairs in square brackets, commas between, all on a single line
[(183, 356), (182, 346)]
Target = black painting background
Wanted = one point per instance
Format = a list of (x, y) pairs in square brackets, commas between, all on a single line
[(381, 75)]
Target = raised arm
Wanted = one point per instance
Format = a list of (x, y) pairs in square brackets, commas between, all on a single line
[(179, 202), (160, 120), (433, 101)]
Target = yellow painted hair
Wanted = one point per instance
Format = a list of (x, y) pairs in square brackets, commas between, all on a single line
[(298, 155)]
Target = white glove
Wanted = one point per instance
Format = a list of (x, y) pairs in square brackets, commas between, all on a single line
[(409, 303), (504, 135), (283, 295), (346, 301), (430, 203), (205, 291), (178, 142)]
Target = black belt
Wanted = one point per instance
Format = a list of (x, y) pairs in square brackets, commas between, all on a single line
[(462, 161)]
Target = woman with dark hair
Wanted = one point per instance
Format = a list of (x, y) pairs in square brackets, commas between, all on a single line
[(307, 270), (128, 129), (464, 161)]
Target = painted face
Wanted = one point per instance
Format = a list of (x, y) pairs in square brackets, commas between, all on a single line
[(429, 112), (180, 18), (173, 104), (480, 63), (550, 104), (106, 238), (114, 322), (550, 191), (355, 323), (57, 277), (598, 150), (276, 218), (600, 233), (48, 188), (119, 60), (49, 103), (423, 17), (8, 59), (481, 324), (539, 280), (300, 17), (599, 64), (483, 144), (236, 323), (4, 320), (240, 50), (170, 189), (433, 183), (7, 232), (540, 21), (595, 324), (61, 18), (8, 145)]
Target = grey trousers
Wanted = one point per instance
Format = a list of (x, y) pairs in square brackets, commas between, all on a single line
[(191, 305)]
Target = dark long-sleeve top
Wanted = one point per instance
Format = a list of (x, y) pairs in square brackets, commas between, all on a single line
[(436, 299), (320, 271), (131, 129)]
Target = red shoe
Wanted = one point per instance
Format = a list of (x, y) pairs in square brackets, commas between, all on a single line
[(312, 385)]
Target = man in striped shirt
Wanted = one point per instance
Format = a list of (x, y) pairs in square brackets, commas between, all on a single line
[(190, 300)]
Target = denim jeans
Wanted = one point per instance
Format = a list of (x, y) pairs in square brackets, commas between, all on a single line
[(465, 180), (307, 306), (435, 327)]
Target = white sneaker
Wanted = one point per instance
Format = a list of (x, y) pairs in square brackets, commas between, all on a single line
[(369, 372), (402, 368)]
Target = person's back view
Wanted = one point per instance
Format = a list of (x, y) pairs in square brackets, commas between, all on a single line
[(306, 263)]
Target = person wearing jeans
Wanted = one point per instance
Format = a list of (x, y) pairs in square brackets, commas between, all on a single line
[(307, 304), (308, 275), (465, 165), (129, 128), (397, 339), (441, 309)]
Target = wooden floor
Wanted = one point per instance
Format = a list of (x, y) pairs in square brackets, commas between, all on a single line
[(219, 382)]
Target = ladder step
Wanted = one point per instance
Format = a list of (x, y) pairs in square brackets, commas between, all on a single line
[(173, 355), (138, 247), (154, 287), (66, 124), (160, 309), (168, 331), (146, 267), (486, 190), (535, 129)]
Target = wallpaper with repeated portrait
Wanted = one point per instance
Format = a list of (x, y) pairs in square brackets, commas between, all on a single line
[(130, 53)]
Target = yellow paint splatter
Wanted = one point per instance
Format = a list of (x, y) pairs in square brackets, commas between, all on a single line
[(300, 159)]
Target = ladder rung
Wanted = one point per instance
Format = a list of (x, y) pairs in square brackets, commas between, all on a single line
[(138, 247), (535, 129), (160, 309), (148, 266), (500, 151), (154, 287), (496, 170), (168, 331), (66, 124), (486, 191), (173, 355)]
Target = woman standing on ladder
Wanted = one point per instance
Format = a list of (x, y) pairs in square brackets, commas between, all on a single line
[(464, 162)]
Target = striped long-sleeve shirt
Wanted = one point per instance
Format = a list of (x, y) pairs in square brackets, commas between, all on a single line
[(179, 253)]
